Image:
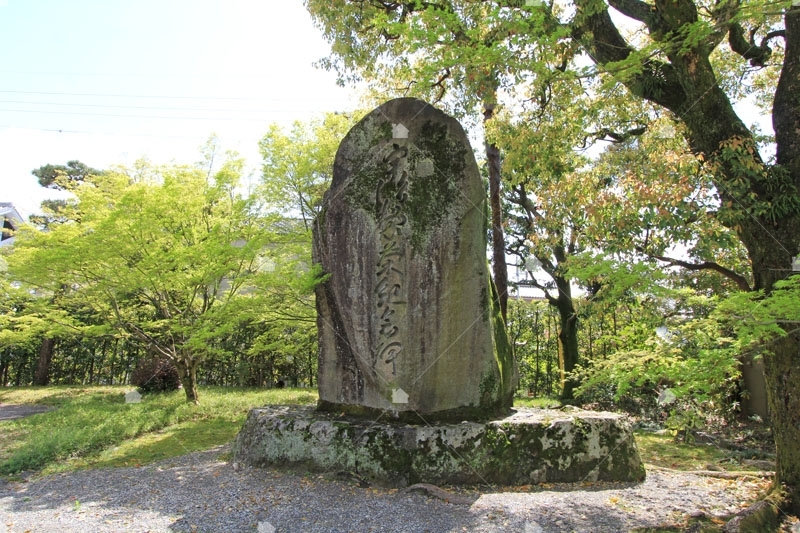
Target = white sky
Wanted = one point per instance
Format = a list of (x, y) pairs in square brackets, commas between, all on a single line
[(107, 82)]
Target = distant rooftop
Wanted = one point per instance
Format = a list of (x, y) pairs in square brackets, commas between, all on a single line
[(10, 219)]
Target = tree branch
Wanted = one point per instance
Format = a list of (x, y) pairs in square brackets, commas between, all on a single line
[(532, 214), (533, 282), (757, 54), (740, 280), (613, 136), (722, 14), (635, 9), (524, 202), (657, 82), (440, 85)]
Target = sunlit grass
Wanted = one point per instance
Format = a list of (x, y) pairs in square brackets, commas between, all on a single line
[(663, 451), (541, 403), (93, 426)]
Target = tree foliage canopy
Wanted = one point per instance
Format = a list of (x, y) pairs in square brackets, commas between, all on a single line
[(633, 65), (173, 260)]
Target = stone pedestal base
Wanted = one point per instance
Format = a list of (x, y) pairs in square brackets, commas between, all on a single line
[(528, 447)]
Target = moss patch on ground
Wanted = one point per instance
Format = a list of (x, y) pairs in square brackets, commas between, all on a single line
[(661, 450)]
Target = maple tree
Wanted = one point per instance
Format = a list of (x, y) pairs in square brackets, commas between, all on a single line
[(166, 257)]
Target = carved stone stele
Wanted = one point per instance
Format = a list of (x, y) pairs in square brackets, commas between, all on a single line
[(406, 318)]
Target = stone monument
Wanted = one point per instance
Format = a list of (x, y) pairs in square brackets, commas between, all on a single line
[(407, 319), (416, 377)]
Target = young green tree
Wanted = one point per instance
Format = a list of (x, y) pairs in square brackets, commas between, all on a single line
[(550, 191), (297, 165), (163, 261), (545, 222), (297, 169)]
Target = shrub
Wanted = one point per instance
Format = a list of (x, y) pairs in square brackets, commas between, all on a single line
[(155, 374), (698, 365)]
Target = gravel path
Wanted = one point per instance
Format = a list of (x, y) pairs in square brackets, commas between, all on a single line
[(200, 492), (11, 411)]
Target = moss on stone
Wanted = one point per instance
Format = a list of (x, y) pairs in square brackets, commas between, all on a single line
[(510, 451), (504, 354), (430, 198), (488, 388)]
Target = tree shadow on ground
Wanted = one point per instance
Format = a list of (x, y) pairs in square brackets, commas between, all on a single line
[(198, 492), (12, 412)]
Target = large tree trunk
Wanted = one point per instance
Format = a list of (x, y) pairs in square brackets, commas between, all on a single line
[(42, 376), (687, 86), (500, 269), (772, 246), (782, 371), (782, 367)]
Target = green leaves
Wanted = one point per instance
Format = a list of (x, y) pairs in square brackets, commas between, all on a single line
[(758, 319), (691, 358), (298, 165), (169, 256)]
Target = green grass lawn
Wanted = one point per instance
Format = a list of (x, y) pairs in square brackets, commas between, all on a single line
[(93, 426), (541, 403), (663, 451)]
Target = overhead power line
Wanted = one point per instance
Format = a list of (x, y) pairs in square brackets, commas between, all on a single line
[(162, 108), (134, 75), (167, 97), (108, 133), (199, 136), (158, 117)]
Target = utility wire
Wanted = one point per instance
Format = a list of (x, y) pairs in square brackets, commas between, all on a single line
[(166, 97), (110, 133), (164, 117), (161, 108)]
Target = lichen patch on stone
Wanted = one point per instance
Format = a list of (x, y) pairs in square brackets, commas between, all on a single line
[(523, 448)]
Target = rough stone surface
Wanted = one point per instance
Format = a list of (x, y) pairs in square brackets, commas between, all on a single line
[(406, 318), (530, 446)]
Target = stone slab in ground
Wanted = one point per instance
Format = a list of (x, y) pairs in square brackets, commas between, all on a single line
[(529, 446)]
